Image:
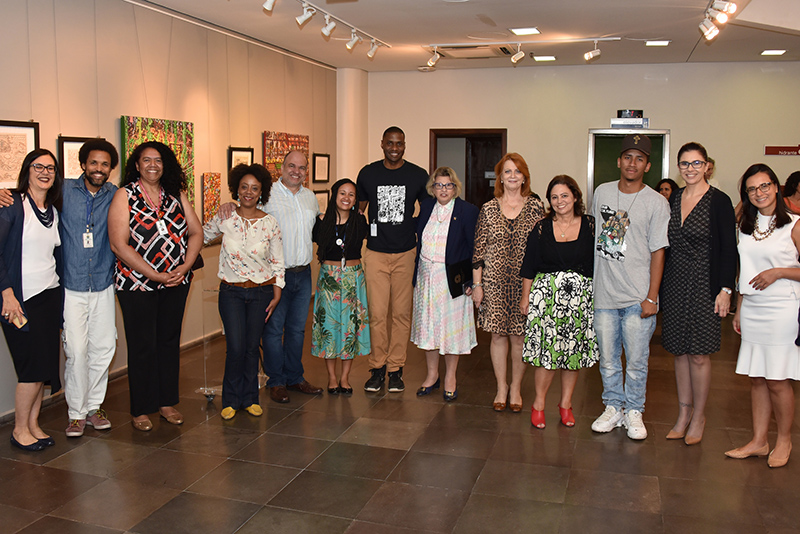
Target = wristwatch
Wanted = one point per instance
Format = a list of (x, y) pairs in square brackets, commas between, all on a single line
[(727, 290)]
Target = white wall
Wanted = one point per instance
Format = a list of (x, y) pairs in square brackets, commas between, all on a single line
[(733, 109), (76, 66)]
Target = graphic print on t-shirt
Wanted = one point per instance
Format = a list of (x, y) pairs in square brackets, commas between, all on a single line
[(611, 242), (391, 203)]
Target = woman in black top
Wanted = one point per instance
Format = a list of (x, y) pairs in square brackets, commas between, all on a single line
[(557, 297), (341, 323)]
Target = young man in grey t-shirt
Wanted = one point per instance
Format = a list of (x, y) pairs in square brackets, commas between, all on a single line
[(631, 230)]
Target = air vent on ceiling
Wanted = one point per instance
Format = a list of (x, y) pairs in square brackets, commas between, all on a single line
[(474, 51)]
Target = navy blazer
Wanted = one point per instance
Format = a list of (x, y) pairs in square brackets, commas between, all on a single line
[(12, 219), (460, 242)]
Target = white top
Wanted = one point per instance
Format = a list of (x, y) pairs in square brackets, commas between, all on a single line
[(38, 261), (777, 250), (434, 236), (251, 250), (296, 214)]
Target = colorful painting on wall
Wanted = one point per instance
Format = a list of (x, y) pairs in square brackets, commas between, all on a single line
[(277, 145), (211, 200), (177, 135)]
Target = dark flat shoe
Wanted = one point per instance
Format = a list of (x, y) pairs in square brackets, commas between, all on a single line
[(426, 390), (450, 396), (333, 391), (33, 447), (345, 391), (47, 442)]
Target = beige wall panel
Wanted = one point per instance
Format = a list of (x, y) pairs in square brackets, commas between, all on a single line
[(219, 132), (16, 102), (44, 86), (76, 52), (237, 77), (154, 34), (299, 110), (269, 91)]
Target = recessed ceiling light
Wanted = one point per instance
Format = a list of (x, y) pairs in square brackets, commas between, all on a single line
[(544, 58), (657, 43), (525, 31), (773, 52)]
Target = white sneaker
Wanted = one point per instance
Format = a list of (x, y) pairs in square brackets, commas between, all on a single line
[(608, 420), (633, 422)]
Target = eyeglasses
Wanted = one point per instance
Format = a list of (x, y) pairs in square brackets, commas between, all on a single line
[(764, 188), (447, 186), (696, 164), (38, 167)]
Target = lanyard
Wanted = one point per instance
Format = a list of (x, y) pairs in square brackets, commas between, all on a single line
[(89, 211), (158, 210)]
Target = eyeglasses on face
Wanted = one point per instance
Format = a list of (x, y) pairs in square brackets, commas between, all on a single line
[(696, 164), (764, 188), (38, 167), (448, 186)]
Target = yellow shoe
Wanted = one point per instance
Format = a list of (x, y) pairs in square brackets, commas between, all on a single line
[(228, 413), (254, 410)]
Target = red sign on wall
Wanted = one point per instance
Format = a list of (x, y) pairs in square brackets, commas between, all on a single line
[(782, 150)]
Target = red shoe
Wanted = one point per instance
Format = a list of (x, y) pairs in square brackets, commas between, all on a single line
[(537, 418), (567, 419)]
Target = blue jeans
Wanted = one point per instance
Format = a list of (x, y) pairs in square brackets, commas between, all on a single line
[(284, 332), (243, 311), (616, 329)]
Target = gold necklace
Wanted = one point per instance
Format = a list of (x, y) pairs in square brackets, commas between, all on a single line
[(758, 235), (563, 231)]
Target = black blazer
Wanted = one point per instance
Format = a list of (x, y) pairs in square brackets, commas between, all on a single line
[(460, 243)]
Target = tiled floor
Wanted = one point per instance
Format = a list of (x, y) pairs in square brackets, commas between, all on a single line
[(395, 463)]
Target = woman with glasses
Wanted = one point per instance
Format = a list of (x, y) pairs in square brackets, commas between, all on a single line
[(31, 295), (557, 297), (699, 275), (443, 321), (766, 317), (502, 232)]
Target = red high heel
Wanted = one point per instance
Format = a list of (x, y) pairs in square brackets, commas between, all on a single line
[(567, 419), (537, 418)]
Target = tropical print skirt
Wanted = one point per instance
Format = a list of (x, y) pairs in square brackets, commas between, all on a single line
[(559, 331), (341, 322)]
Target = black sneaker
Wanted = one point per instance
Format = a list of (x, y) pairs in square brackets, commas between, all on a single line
[(375, 382), (396, 384)]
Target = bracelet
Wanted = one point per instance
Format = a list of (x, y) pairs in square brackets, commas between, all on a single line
[(479, 284), (727, 290), (651, 301)]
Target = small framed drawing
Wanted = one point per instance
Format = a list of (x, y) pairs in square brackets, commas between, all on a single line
[(322, 199), (68, 148), (17, 138), (322, 170), (238, 155)]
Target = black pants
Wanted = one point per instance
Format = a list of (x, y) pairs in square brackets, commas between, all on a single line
[(153, 321)]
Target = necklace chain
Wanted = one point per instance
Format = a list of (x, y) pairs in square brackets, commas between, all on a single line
[(758, 235)]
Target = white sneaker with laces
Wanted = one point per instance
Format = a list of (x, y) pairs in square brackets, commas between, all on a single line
[(610, 419), (633, 422)]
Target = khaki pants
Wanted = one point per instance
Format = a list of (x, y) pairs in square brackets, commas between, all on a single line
[(389, 285)]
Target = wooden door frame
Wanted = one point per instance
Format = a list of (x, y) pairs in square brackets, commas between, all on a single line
[(437, 133)]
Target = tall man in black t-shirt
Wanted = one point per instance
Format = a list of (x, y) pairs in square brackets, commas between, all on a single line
[(391, 187)]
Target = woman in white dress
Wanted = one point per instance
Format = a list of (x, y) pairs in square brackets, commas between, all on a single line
[(766, 317)]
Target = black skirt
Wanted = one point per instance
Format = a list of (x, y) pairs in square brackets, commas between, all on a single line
[(36, 351)]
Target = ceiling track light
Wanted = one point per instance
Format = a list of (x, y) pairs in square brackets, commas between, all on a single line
[(354, 39), (373, 49), (726, 7), (434, 58), (516, 58), (269, 4), (709, 29), (592, 54), (719, 16), (308, 12), (330, 24)]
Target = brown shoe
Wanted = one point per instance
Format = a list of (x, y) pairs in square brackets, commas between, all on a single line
[(279, 394), (143, 425), (305, 387), (174, 418)]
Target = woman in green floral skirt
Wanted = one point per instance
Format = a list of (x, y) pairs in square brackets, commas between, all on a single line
[(340, 328)]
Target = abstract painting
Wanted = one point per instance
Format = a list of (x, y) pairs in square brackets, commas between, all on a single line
[(277, 145), (211, 200), (177, 135)]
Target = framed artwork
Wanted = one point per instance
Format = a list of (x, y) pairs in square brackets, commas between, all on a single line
[(17, 138), (276, 145), (322, 169), (322, 199), (238, 155), (211, 200), (177, 135), (68, 148)]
